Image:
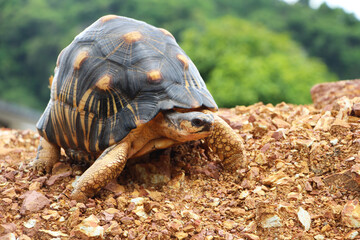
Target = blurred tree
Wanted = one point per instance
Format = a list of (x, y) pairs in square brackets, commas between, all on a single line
[(330, 34), (244, 63), (33, 32)]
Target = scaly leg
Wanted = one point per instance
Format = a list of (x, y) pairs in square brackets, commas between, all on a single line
[(48, 154), (227, 144), (107, 167)]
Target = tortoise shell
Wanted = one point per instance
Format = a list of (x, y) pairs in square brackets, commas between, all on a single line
[(116, 74)]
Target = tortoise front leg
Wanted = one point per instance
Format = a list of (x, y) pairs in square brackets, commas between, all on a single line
[(107, 167), (226, 143), (47, 155)]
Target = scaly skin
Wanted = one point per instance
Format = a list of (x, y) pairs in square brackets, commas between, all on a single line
[(47, 155), (107, 167), (226, 143)]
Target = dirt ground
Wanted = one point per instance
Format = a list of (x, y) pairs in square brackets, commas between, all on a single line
[(299, 180)]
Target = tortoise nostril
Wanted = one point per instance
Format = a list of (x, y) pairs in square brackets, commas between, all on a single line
[(197, 122)]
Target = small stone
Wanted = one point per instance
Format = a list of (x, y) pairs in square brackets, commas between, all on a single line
[(270, 221), (351, 214), (250, 236), (126, 220), (181, 235), (60, 168), (176, 181), (89, 228), (334, 141), (30, 223), (258, 190), (51, 214), (279, 134), (352, 234), (260, 159), (51, 181), (308, 186), (54, 233), (114, 229), (122, 202), (304, 218), (34, 201), (23, 237), (319, 237), (35, 186), (140, 211), (190, 214), (114, 187), (244, 194), (10, 192), (7, 228), (279, 123), (326, 228), (294, 196), (277, 178), (229, 224), (8, 236), (175, 225), (138, 200)]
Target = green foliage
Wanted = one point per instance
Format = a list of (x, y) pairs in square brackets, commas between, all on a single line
[(33, 32), (244, 63), (329, 34)]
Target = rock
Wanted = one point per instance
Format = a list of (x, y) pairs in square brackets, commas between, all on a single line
[(35, 186), (89, 229), (324, 94), (10, 192), (73, 219), (319, 237), (57, 177), (350, 214), (23, 237), (356, 110), (347, 179), (53, 233), (30, 223), (339, 127), (270, 221), (352, 234), (181, 235), (190, 214), (140, 212), (114, 229), (280, 123), (324, 122), (114, 187), (229, 224), (277, 178), (9, 236), (304, 218), (33, 201), (60, 167), (250, 236), (7, 228)]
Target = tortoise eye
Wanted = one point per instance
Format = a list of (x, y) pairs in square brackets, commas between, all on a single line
[(197, 122)]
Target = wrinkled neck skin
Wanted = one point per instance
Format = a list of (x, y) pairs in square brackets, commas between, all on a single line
[(161, 133)]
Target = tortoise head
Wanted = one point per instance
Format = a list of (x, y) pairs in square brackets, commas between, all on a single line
[(187, 126)]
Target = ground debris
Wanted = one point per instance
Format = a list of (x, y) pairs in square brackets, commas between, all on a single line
[(299, 180)]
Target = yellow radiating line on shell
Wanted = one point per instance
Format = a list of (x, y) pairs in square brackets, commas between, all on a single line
[(75, 92)]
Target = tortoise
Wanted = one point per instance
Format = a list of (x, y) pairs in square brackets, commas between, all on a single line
[(121, 89)]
